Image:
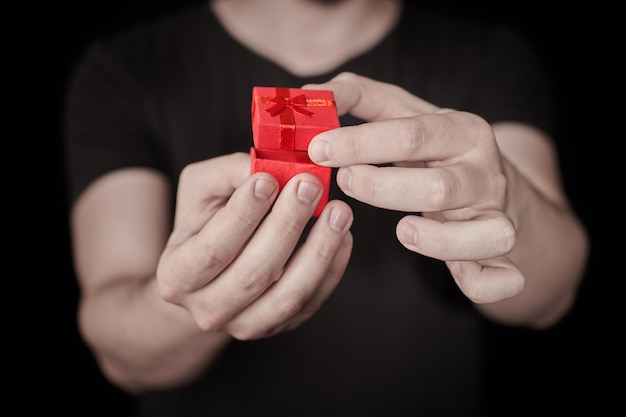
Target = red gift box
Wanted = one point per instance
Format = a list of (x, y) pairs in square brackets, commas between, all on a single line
[(284, 120)]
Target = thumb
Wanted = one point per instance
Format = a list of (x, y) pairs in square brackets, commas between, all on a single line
[(372, 100)]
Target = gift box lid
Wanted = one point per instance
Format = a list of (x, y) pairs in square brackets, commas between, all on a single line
[(288, 118)]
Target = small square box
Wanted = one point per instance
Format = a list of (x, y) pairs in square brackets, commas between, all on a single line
[(284, 120)]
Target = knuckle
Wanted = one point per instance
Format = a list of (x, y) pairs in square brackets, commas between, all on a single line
[(469, 282), (291, 226), (288, 306), (507, 236), (471, 293), (326, 251), (443, 190), (209, 322), (245, 332), (347, 76), (246, 221), (188, 172), (211, 257), (474, 293), (473, 288), (480, 128), (245, 336), (367, 187), (166, 287), (168, 292), (410, 137), (356, 149), (256, 280), (498, 183)]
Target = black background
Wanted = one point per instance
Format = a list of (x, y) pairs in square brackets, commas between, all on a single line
[(564, 370)]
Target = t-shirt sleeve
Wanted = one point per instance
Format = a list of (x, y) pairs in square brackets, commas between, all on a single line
[(106, 126), (487, 68), (514, 84)]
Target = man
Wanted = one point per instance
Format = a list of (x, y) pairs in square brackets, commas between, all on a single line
[(206, 290)]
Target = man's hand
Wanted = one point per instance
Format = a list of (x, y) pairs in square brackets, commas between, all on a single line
[(233, 259), (445, 164)]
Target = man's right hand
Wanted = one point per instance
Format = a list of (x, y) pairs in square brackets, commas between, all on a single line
[(233, 260)]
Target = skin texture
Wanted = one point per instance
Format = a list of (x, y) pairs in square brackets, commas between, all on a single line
[(163, 293), (491, 196)]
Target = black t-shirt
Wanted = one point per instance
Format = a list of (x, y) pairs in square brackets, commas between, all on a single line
[(397, 337)]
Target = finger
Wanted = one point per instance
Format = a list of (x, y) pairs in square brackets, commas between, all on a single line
[(414, 189), (263, 258), (482, 238), (199, 259), (307, 281), (425, 138), (488, 281), (422, 189), (330, 281), (372, 100), (204, 186)]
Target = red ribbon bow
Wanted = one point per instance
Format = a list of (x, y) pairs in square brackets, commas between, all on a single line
[(294, 103), (287, 120)]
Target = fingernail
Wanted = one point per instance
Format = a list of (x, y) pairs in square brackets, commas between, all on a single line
[(318, 151), (339, 220), (344, 178), (406, 234), (308, 191), (263, 189)]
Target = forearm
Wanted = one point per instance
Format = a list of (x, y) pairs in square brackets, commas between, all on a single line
[(142, 342), (551, 251)]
